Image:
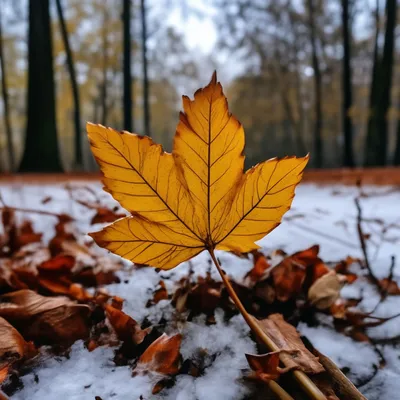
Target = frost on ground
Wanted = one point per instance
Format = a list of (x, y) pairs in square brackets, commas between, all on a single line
[(320, 215)]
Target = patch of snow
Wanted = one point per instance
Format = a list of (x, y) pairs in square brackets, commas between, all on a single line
[(83, 376), (359, 358)]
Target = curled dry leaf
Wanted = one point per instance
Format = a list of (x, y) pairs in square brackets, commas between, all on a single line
[(289, 275), (260, 269), (162, 356), (45, 319), (286, 337), (126, 328), (197, 198), (325, 291), (13, 347), (266, 366), (159, 294), (389, 286), (343, 268)]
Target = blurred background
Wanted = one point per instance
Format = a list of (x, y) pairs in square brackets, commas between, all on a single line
[(318, 76)]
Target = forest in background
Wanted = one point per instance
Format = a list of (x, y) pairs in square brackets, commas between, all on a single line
[(318, 76)]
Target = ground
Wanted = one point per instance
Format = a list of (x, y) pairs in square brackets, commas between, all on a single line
[(324, 215)]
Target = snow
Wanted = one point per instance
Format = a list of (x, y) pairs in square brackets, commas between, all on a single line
[(320, 215)]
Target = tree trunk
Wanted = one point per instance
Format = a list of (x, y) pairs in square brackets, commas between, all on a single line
[(300, 139), (146, 104), (78, 159), (127, 100), (41, 152), (348, 159), (318, 156), (377, 135), (396, 160), (104, 85), (7, 118)]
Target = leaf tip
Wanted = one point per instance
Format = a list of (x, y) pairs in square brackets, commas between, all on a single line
[(214, 78)]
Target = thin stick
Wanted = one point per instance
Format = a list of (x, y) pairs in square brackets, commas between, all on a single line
[(363, 244), (29, 210), (5, 207), (279, 390), (307, 384)]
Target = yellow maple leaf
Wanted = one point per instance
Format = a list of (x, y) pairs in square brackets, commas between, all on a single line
[(197, 197)]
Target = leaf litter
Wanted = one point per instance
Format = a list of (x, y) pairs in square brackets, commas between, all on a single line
[(205, 354)]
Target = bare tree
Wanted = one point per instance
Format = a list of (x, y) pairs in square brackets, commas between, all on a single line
[(104, 84), (127, 98), (146, 84), (377, 135), (348, 159), (41, 152), (7, 117), (78, 160), (317, 86)]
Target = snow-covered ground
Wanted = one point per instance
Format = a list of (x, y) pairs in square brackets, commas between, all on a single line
[(320, 215)]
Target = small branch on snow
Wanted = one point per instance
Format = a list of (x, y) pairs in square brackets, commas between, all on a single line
[(5, 207), (363, 244)]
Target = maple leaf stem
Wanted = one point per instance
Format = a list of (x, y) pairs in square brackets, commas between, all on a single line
[(307, 384), (279, 391)]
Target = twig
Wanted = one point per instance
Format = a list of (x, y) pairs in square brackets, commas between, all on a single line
[(345, 387), (279, 391), (320, 233), (5, 207), (308, 386), (363, 244)]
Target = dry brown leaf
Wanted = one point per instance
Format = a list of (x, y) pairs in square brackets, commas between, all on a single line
[(289, 275), (343, 268), (162, 356), (286, 337), (13, 347), (266, 366), (259, 270), (126, 328), (390, 286), (160, 294), (45, 319), (325, 291)]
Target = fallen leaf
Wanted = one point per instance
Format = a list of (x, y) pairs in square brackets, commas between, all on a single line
[(289, 275), (45, 319), (13, 347), (325, 291), (390, 286), (127, 329), (286, 337), (160, 294), (259, 270), (162, 356), (343, 268), (196, 198), (266, 366)]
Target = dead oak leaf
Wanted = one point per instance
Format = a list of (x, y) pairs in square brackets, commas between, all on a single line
[(161, 357), (325, 290), (13, 347), (196, 198), (289, 275), (126, 328), (286, 337), (45, 319), (389, 286), (266, 366), (259, 270)]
